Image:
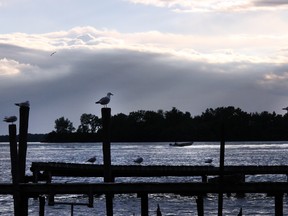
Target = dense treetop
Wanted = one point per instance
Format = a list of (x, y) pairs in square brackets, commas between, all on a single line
[(175, 125)]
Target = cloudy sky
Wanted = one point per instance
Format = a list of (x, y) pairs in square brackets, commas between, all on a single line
[(152, 54)]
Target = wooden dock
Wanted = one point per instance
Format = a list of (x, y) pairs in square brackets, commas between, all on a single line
[(40, 184)]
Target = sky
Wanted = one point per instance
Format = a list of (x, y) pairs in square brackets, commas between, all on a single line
[(151, 54)]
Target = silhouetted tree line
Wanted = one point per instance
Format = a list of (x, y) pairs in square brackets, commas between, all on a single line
[(175, 125)]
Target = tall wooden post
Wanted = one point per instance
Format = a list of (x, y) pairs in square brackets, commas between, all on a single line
[(222, 159), (23, 131), (144, 204), (22, 152), (106, 147), (14, 169)]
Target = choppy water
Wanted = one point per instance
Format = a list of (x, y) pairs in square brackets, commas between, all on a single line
[(237, 153)]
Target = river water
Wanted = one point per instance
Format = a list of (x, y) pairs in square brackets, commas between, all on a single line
[(236, 153)]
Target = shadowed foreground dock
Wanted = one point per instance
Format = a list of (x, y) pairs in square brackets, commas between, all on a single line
[(230, 179)]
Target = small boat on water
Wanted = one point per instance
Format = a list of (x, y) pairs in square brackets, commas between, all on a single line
[(176, 144)]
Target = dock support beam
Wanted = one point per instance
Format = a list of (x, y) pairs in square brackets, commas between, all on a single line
[(221, 177), (144, 204), (200, 205), (279, 204), (14, 169), (106, 146)]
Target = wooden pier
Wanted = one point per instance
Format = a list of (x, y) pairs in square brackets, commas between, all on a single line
[(40, 183)]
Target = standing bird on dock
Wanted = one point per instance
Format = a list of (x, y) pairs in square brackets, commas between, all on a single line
[(92, 160), (208, 160), (138, 160), (10, 119), (105, 100), (158, 211), (23, 104)]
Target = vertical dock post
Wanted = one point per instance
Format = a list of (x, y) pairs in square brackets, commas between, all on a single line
[(144, 204), (222, 159), (200, 205), (106, 147), (279, 204), (22, 152), (14, 169), (41, 205), (23, 131)]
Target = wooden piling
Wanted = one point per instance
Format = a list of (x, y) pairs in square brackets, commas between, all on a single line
[(14, 169), (41, 205), (279, 204), (23, 131), (221, 168), (22, 152), (144, 204), (106, 147), (200, 205)]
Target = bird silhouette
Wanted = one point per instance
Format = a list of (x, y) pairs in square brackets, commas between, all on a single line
[(10, 119), (105, 100), (138, 160), (52, 53), (23, 104), (92, 160), (208, 160)]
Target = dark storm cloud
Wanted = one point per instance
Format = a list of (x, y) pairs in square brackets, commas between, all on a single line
[(69, 82), (269, 3)]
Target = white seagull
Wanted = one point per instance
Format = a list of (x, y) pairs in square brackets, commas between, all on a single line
[(105, 100), (138, 160), (23, 104), (10, 119), (92, 160)]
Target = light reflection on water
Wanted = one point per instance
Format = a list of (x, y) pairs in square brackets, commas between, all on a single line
[(153, 154)]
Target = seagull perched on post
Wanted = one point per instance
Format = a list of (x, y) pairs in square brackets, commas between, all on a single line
[(23, 104), (105, 100), (92, 160), (10, 119)]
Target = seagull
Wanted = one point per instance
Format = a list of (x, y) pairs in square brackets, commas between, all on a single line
[(138, 160), (52, 53), (10, 119), (23, 104), (105, 100), (92, 160), (209, 160)]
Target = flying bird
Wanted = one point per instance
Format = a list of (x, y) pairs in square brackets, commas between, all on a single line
[(105, 100), (92, 160), (23, 104), (52, 53), (10, 119), (138, 160)]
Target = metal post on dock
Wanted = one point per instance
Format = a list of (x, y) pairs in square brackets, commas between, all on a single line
[(106, 147)]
